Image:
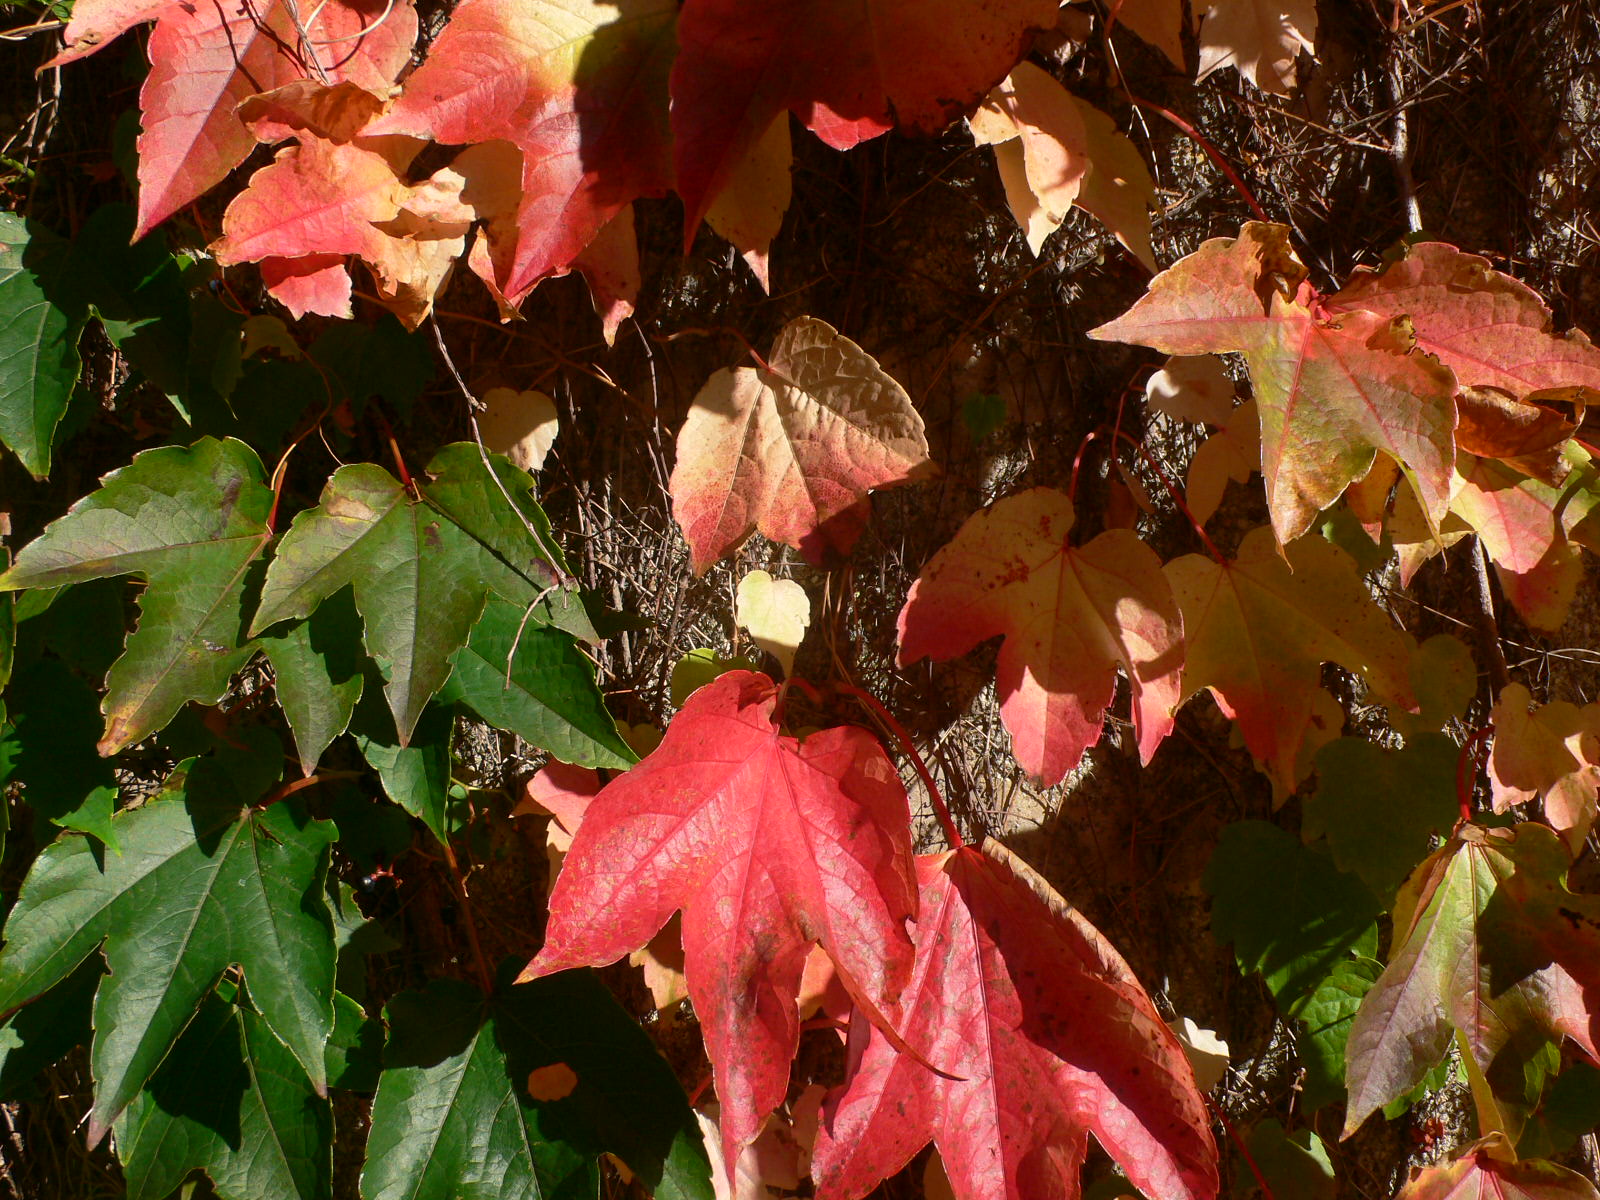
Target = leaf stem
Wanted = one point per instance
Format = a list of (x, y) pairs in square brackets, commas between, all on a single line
[(1211, 152), (941, 810), (1177, 497), (1077, 464), (1244, 1150), (284, 790), (479, 962), (394, 449), (1467, 768)]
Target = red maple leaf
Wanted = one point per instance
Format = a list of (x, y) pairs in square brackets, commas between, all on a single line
[(207, 58), (767, 844), (1052, 1039), (850, 69)]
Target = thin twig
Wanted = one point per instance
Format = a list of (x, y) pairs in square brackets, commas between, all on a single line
[(551, 555)]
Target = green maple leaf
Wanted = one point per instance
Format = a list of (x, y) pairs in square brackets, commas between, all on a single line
[(1325, 1027), (1290, 914), (190, 522), (232, 1101), (39, 331), (316, 672), (422, 562), (537, 685), (454, 1117), (204, 882), (1380, 808)]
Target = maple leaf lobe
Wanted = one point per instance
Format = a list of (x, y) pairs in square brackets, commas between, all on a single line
[(1070, 617), (767, 845), (1044, 1036)]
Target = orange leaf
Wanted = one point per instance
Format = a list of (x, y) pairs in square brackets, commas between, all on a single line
[(1069, 615), (1331, 392), (1551, 751), (579, 87), (1258, 632)]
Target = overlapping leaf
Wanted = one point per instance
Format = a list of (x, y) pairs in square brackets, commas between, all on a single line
[(1332, 392), (740, 64), (316, 674), (1551, 751), (1054, 151), (1290, 914), (190, 523), (792, 448), (1045, 1037), (454, 1116), (767, 845), (1070, 615), (749, 209), (1488, 328), (206, 59), (232, 1101), (55, 719), (1380, 809), (1488, 1170), (1257, 630), (1325, 1019), (203, 882), (579, 87), (422, 561), (537, 684), (1159, 22), (1488, 943)]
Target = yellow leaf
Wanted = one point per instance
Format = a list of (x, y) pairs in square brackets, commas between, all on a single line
[(520, 425), (776, 612)]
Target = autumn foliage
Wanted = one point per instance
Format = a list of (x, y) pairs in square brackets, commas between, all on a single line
[(281, 707)]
